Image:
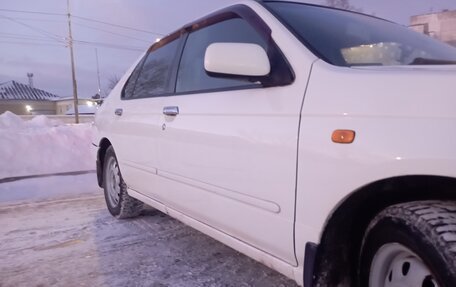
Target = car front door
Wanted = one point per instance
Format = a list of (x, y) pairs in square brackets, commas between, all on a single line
[(227, 157)]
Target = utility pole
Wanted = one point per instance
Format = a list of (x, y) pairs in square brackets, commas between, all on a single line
[(98, 73), (73, 73)]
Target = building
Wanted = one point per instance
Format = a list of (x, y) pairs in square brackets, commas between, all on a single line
[(65, 106), (440, 25), (24, 99)]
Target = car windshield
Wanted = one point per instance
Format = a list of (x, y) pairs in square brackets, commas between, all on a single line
[(345, 38)]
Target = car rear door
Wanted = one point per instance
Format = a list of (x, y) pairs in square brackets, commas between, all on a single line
[(138, 123)]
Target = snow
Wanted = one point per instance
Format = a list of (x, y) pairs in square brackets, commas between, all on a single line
[(49, 188), (43, 146)]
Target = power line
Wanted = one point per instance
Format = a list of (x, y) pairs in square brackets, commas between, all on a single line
[(31, 40), (82, 18), (39, 20), (108, 45), (28, 38), (22, 35), (41, 31), (117, 25), (110, 32), (87, 43), (30, 43), (32, 12)]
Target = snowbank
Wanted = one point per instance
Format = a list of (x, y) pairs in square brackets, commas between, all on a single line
[(42, 146)]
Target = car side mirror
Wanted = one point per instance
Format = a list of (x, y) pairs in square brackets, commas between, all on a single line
[(237, 59)]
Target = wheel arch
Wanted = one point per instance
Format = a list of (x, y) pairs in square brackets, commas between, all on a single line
[(102, 147), (337, 256)]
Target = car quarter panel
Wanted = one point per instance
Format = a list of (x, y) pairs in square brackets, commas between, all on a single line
[(398, 114)]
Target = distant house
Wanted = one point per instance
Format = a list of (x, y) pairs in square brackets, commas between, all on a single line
[(23, 99), (65, 106), (87, 109), (440, 25)]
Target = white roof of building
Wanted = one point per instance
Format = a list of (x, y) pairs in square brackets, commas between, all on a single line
[(13, 90)]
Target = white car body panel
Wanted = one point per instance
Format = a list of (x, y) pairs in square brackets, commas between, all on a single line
[(214, 155), (418, 112), (232, 166), (137, 134)]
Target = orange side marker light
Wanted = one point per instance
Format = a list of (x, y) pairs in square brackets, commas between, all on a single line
[(343, 136)]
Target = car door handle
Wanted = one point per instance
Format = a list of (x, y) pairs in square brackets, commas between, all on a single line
[(118, 112), (171, 111)]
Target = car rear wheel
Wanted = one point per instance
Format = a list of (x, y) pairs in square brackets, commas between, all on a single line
[(411, 245), (119, 203)]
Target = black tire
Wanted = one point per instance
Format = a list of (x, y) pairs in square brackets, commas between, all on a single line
[(125, 206), (427, 229)]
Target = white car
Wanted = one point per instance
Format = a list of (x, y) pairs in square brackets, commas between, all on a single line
[(317, 141)]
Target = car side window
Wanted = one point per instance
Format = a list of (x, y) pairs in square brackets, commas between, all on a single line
[(155, 78), (192, 76), (127, 92)]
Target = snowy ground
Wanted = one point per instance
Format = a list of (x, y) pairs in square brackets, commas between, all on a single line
[(56, 230), (48, 188)]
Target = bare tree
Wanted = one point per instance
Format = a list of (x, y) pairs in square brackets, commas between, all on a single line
[(342, 4), (112, 82)]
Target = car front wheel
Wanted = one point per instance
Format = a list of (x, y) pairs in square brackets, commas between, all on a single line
[(411, 245)]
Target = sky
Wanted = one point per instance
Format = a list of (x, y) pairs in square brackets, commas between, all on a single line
[(34, 42)]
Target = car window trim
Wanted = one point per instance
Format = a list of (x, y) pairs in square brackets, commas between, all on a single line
[(216, 90), (235, 11)]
